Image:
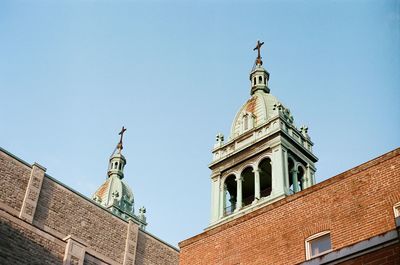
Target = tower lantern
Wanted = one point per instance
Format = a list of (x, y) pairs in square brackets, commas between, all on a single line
[(259, 77)]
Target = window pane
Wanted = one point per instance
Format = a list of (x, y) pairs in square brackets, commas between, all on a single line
[(320, 244), (397, 211)]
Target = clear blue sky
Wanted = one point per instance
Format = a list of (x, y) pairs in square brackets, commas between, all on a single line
[(73, 72)]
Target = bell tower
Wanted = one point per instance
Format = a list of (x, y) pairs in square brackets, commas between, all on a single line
[(266, 157)]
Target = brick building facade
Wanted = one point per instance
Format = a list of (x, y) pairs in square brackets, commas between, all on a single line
[(357, 208), (42, 221)]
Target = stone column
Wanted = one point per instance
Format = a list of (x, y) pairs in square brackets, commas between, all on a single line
[(311, 174), (285, 170), (131, 243), (307, 177), (32, 193), (313, 177), (74, 251), (222, 200), (279, 171), (215, 197), (295, 181), (238, 193), (256, 185)]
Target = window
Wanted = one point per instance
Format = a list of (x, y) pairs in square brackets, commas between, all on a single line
[(246, 122), (318, 244), (396, 209)]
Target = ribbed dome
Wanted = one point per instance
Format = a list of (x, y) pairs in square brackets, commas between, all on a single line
[(115, 188), (258, 109)]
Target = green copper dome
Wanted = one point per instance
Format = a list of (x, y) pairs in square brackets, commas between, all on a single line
[(114, 192)]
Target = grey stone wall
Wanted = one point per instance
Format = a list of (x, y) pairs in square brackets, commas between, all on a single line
[(69, 214), (90, 260), (19, 245), (151, 252), (14, 177), (61, 215)]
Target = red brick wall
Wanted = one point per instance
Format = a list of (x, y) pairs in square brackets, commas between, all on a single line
[(386, 256), (14, 177), (354, 206)]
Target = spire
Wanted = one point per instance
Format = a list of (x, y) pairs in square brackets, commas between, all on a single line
[(117, 160), (259, 77)]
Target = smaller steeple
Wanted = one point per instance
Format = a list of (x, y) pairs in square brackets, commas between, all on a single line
[(114, 194), (259, 77), (117, 160)]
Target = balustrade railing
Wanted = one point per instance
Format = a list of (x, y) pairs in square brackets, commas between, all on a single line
[(229, 209)]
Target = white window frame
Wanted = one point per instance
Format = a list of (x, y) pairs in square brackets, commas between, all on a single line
[(396, 210), (308, 244), (246, 122)]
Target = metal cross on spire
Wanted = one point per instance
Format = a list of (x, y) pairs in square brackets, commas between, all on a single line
[(119, 146), (258, 48)]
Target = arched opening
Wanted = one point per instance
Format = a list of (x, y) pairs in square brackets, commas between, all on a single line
[(265, 81), (300, 178), (290, 170), (260, 79), (247, 186), (120, 166), (230, 191), (265, 177), (254, 81)]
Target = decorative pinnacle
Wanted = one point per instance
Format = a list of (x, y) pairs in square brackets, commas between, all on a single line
[(119, 146), (258, 48)]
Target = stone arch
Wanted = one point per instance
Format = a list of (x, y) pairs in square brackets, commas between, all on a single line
[(251, 165), (301, 171), (257, 164), (265, 171), (229, 194), (248, 191)]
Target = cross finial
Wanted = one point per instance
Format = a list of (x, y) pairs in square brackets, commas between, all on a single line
[(119, 146), (258, 48)]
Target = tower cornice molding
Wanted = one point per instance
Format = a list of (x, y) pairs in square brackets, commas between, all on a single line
[(260, 133)]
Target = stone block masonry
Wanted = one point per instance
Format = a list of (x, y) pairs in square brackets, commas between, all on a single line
[(44, 222), (13, 182)]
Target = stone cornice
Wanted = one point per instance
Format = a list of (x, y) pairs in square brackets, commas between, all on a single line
[(277, 124)]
